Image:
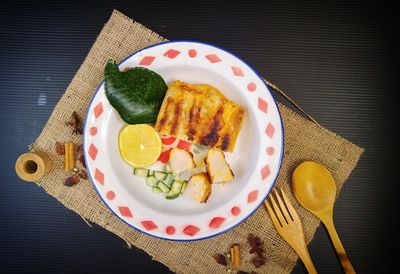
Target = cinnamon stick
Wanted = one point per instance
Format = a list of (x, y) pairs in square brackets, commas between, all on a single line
[(66, 157), (71, 156), (235, 256)]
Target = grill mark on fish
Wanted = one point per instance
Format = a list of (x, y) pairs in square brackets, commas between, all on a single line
[(193, 119), (239, 116), (213, 135), (177, 112), (225, 142), (238, 120), (165, 114)]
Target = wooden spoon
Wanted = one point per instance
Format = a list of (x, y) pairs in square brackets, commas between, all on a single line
[(315, 189)]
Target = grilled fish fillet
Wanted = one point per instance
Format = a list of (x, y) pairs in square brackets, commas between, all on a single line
[(200, 114)]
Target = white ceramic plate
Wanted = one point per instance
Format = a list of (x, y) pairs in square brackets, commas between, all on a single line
[(256, 159)]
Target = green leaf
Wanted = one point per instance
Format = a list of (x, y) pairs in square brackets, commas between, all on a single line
[(136, 94)]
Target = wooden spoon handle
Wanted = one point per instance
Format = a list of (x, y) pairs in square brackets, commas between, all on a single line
[(341, 253)]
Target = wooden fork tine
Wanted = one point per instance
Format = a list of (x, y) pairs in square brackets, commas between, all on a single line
[(274, 219), (283, 207), (278, 212), (290, 229), (290, 207)]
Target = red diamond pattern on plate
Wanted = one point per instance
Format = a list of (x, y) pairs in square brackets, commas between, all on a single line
[(99, 176), (125, 211), (265, 172), (168, 140), (184, 145), (251, 87), (262, 105), (170, 230), (171, 53), (93, 131), (98, 110), (191, 230), (235, 211), (149, 225), (270, 130), (237, 71), (192, 53), (110, 195), (164, 156), (270, 151), (147, 60), (213, 58), (252, 196), (93, 152), (216, 222)]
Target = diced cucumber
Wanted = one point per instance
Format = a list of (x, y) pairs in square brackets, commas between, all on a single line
[(184, 185), (163, 187), (151, 172), (169, 179), (156, 190), (172, 195), (176, 186), (159, 175), (142, 172), (168, 168), (151, 181), (179, 179)]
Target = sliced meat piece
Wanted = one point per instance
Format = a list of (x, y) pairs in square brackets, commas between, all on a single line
[(199, 186), (217, 167), (180, 161)]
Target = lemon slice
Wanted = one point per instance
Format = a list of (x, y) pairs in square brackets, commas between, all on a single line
[(139, 145)]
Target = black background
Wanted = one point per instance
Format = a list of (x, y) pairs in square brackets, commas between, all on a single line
[(336, 59)]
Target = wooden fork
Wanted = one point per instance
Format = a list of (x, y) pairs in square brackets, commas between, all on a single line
[(288, 224)]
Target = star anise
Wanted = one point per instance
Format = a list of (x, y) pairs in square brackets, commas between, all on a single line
[(76, 123), (71, 181), (258, 261), (256, 247), (78, 149), (82, 174), (219, 258), (60, 148), (255, 243)]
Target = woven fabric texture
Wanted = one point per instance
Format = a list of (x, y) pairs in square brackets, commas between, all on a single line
[(304, 140)]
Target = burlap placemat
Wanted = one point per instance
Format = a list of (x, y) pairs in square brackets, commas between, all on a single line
[(304, 140)]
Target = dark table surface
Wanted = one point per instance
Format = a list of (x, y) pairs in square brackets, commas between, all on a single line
[(336, 59)]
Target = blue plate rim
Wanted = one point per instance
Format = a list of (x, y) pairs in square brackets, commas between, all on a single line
[(280, 156)]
